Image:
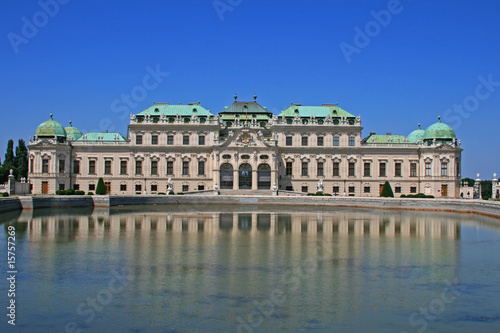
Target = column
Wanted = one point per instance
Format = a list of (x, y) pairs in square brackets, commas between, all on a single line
[(254, 179)]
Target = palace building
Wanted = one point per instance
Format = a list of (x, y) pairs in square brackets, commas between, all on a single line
[(245, 148)]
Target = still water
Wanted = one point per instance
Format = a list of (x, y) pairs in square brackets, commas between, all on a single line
[(252, 269)]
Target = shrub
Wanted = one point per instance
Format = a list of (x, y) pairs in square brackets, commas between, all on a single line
[(171, 193), (327, 194), (311, 194), (90, 193), (5, 194), (69, 191), (387, 191), (101, 188), (180, 193), (403, 195), (79, 192), (486, 197), (60, 192), (161, 193)]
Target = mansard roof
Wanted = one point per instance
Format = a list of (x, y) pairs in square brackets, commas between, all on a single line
[(318, 111), (166, 109), (385, 138), (102, 137), (246, 108)]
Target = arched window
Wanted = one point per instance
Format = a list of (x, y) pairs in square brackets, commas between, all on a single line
[(226, 176), (245, 176), (264, 177)]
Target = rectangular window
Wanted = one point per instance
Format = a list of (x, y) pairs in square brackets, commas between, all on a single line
[(154, 167), (320, 169), (413, 170), (123, 167), (62, 167), (154, 139), (31, 165), (413, 189), (288, 140), (366, 189), (397, 169), (154, 188), (138, 140), (382, 169), (138, 187), (170, 140), (185, 140), (107, 167), (289, 166), (397, 189), (304, 140), (138, 167), (185, 168), (76, 187), (336, 169), (320, 141), (92, 167), (336, 189), (45, 165), (201, 187), (91, 187), (305, 189), (352, 189), (367, 169), (170, 167), (201, 140), (305, 170), (61, 187), (201, 168), (352, 141), (336, 141), (428, 170), (351, 169), (123, 187), (185, 188), (76, 166), (444, 169)]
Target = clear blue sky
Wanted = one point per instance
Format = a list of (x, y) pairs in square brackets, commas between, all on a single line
[(426, 59)]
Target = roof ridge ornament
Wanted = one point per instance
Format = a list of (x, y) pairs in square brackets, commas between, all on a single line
[(255, 97), (235, 96), (51, 115)]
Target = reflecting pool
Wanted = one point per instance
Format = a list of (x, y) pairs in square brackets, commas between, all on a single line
[(231, 268)]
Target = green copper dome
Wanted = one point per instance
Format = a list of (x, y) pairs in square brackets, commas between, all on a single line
[(50, 128), (73, 133), (439, 131), (416, 135)]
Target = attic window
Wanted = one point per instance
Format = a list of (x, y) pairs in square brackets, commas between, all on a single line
[(194, 110), (296, 111), (334, 111), (304, 121), (203, 120), (226, 157), (245, 106), (171, 120), (336, 121), (351, 121), (157, 110), (187, 120), (245, 157), (289, 120), (320, 121)]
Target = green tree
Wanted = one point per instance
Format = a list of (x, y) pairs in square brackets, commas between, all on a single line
[(101, 188), (21, 160), (8, 163), (387, 191), (468, 182)]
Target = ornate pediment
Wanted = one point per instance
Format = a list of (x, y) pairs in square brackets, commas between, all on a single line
[(245, 137)]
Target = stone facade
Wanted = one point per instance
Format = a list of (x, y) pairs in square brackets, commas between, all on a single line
[(246, 148)]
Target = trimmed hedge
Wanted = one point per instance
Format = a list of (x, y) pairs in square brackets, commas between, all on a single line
[(101, 188), (5, 194), (387, 191), (418, 195)]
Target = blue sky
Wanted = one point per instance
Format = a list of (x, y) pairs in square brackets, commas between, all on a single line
[(420, 59)]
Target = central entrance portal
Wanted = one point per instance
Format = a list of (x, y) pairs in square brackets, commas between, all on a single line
[(245, 176)]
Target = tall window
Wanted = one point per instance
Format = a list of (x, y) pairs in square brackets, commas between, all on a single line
[(62, 167), (366, 169), (352, 189), (428, 170), (289, 166), (123, 187), (336, 189), (32, 167), (154, 139), (76, 166), (170, 167), (138, 167), (444, 168), (170, 139), (336, 141), (185, 168), (320, 141), (382, 169), (185, 140), (123, 167), (352, 141), (107, 167), (154, 167), (320, 169), (201, 140), (351, 169), (305, 167), (201, 167), (92, 167), (288, 140), (336, 169), (304, 140), (138, 139), (397, 169), (413, 169)]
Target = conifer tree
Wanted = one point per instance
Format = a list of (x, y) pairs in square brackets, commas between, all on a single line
[(21, 160), (387, 191), (101, 188)]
